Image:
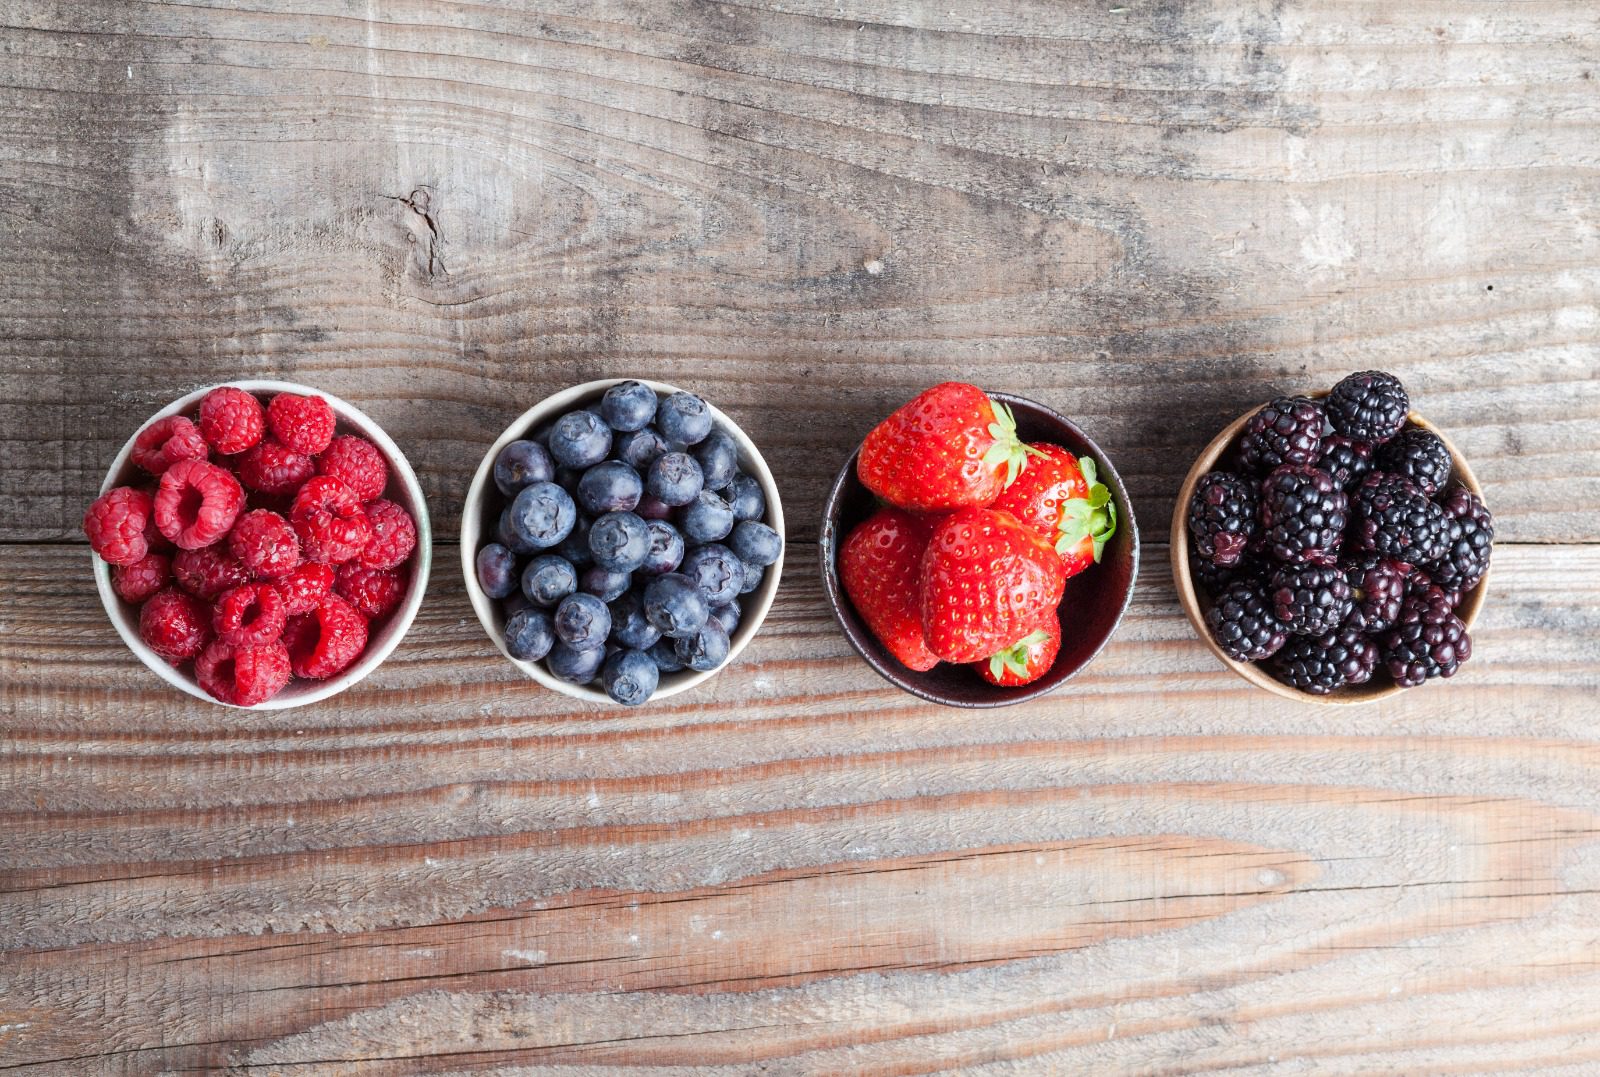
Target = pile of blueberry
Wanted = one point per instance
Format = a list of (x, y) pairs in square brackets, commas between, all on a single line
[(626, 540)]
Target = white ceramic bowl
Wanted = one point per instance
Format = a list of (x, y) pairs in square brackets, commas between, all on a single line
[(478, 519), (403, 489)]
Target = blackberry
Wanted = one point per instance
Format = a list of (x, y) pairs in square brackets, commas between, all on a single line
[(1425, 644), (1346, 459), (1214, 579), (1303, 514), (1320, 664), (1420, 456), (1310, 599), (1369, 406), (1222, 517), (1378, 585), (1353, 651), (1469, 545), (1288, 430), (1243, 624), (1395, 519)]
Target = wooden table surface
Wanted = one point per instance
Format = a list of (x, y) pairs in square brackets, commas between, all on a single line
[(1150, 214)]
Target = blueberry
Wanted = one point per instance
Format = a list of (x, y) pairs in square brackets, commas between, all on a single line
[(726, 615), (705, 519), (755, 542), (675, 605), (515, 603), (716, 571), (529, 635), (610, 486), (629, 677), (497, 570), (629, 626), (666, 548), (639, 448), (683, 419), (567, 477), (574, 666), (718, 458), (705, 650), (603, 583), (522, 463), (541, 515), (653, 508), (752, 578), (661, 652), (579, 439), (628, 406), (745, 498), (506, 536), (675, 479), (619, 541), (548, 579), (582, 621), (575, 547)]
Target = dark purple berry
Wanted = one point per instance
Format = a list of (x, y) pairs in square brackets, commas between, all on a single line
[(1369, 406), (1378, 585), (1469, 545), (1395, 519), (1346, 460), (1303, 514), (1420, 456), (1310, 600), (1288, 430), (1222, 517), (1243, 624)]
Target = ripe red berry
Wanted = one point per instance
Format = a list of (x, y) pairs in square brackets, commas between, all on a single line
[(357, 463), (394, 535), (325, 641), (197, 503), (175, 625), (143, 578), (243, 676), (231, 420), (329, 519), (208, 572), (165, 442), (305, 587), (115, 525), (273, 468), (303, 423), (248, 615), (265, 544), (375, 592)]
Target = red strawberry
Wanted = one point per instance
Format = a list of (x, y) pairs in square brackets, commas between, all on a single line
[(950, 448), (1059, 498), (1026, 660), (879, 565), (987, 581)]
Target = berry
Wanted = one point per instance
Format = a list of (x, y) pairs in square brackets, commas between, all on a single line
[(1244, 625), (664, 654), (629, 677), (1304, 663), (271, 467), (548, 579), (357, 463), (574, 666), (718, 458), (265, 544), (745, 498), (666, 548), (1311, 600), (374, 592), (1303, 514), (575, 547), (987, 581), (325, 641), (231, 420), (579, 439), (639, 449), (302, 423), (675, 479), (1059, 498), (541, 515), (1353, 651), (139, 580), (716, 571), (610, 486), (628, 406), (706, 649), (951, 447), (529, 634), (249, 615), (1420, 456), (629, 626), (1346, 460), (603, 583), (1370, 406), (1222, 517), (207, 572), (394, 536), (1425, 644), (175, 625), (522, 463), (1469, 545), (165, 442), (582, 621), (619, 541), (243, 675), (675, 606), (1395, 519), (1288, 430), (683, 419), (497, 570), (328, 517), (115, 524), (755, 543), (1214, 579), (1026, 660), (727, 615), (880, 567), (753, 575), (1378, 586), (705, 519), (197, 503), (305, 588)]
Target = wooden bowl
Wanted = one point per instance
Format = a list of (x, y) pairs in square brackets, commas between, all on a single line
[(403, 489), (1103, 590), (1196, 602)]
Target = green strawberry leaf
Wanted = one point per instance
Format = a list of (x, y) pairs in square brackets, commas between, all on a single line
[(1015, 657), (1093, 517), (1007, 447)]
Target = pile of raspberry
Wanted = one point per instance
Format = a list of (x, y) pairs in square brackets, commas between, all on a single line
[(261, 548), (1335, 547)]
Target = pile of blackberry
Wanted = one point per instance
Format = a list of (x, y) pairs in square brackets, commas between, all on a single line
[(1334, 547)]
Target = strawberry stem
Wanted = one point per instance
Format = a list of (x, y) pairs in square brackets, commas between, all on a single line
[(1093, 517), (1007, 447), (1015, 657)]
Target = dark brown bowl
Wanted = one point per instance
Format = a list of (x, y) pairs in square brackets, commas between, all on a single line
[(1100, 594)]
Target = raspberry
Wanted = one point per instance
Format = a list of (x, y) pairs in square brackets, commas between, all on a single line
[(207, 573), (174, 625), (329, 519), (357, 463), (305, 587), (197, 503), (243, 676), (265, 544), (143, 578), (325, 641), (375, 592), (394, 535), (231, 420), (274, 468), (115, 524), (165, 442), (303, 423), (249, 615)]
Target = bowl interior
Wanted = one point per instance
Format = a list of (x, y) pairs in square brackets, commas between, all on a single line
[(1091, 607), (481, 513), (403, 489)]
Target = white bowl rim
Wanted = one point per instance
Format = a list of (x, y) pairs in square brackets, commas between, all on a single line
[(313, 691), (487, 609)]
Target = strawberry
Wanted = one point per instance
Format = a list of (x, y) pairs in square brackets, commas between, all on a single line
[(950, 448), (1026, 660), (1059, 498), (879, 565), (987, 581)]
